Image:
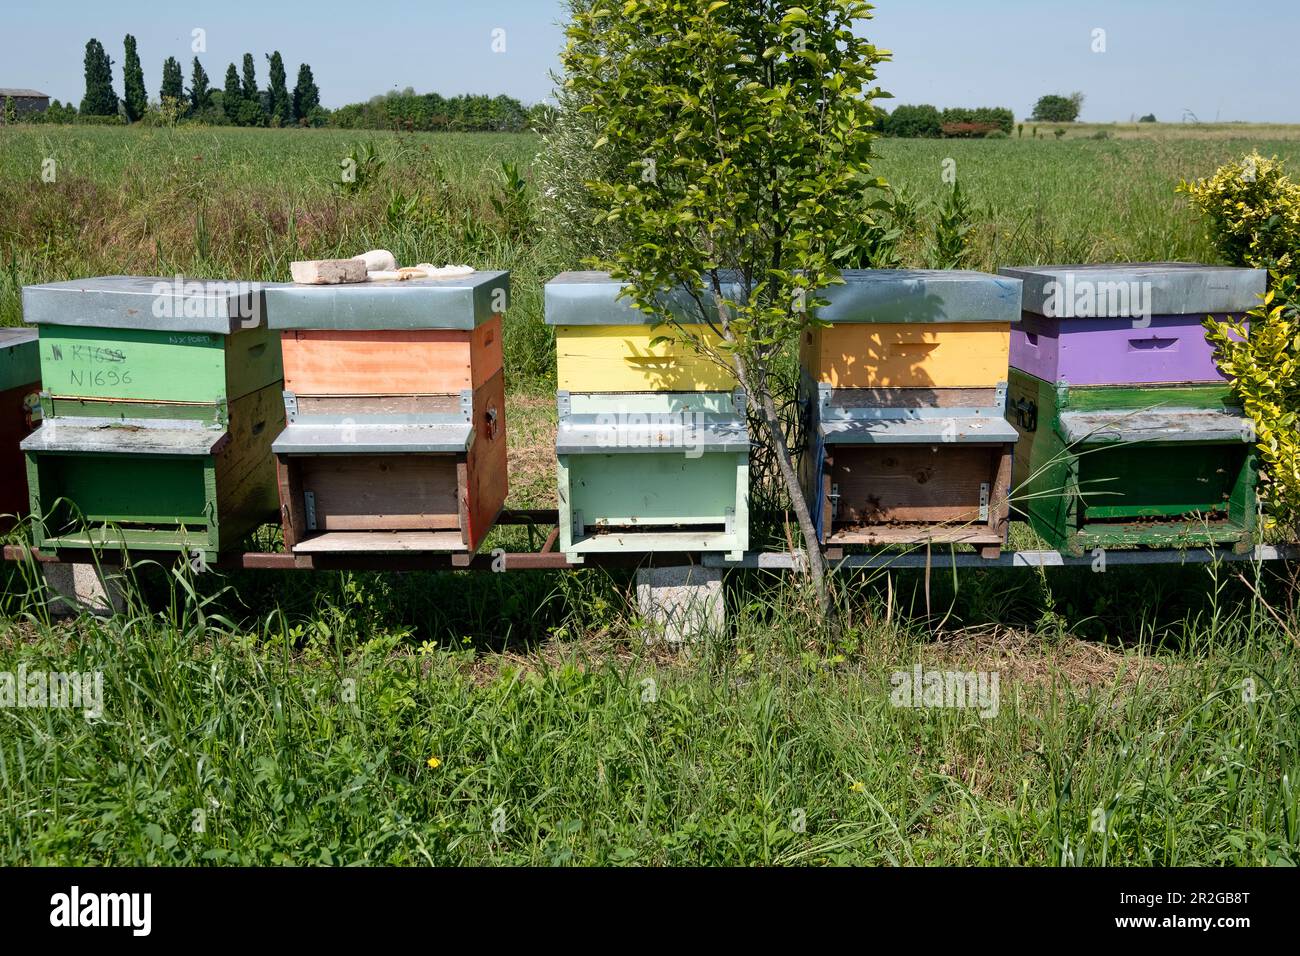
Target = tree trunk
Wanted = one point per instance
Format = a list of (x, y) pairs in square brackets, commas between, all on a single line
[(759, 394), (812, 544)]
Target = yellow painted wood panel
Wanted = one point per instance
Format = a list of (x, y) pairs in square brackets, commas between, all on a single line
[(619, 358), (949, 355)]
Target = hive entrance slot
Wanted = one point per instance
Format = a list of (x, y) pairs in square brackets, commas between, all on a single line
[(906, 486), (380, 493)]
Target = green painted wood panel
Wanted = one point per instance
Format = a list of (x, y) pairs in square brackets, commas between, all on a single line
[(651, 488), (145, 365), (1083, 497), (1137, 481), (253, 361), (122, 488), (19, 360), (133, 364), (1125, 397)]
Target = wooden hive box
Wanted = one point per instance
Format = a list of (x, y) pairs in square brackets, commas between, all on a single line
[(904, 393), (20, 383), (395, 401), (653, 442), (1129, 434), (160, 399)]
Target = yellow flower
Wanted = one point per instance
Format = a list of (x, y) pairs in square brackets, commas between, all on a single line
[(858, 787), (434, 763)]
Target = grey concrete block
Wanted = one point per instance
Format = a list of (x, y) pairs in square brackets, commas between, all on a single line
[(81, 589), (682, 604)]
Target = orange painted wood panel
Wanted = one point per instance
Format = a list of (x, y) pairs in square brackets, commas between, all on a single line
[(486, 357), (354, 362)]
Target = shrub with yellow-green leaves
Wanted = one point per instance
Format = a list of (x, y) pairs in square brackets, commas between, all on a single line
[(1253, 211), (1265, 370)]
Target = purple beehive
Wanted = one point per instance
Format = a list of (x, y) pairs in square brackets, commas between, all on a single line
[(1138, 324)]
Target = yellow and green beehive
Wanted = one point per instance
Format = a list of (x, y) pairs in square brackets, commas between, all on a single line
[(652, 445)]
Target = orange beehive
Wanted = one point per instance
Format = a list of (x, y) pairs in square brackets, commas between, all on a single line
[(395, 402)]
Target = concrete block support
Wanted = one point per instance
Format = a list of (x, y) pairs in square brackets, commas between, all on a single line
[(682, 604), (80, 588)]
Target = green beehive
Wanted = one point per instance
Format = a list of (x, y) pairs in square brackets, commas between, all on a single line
[(160, 400)]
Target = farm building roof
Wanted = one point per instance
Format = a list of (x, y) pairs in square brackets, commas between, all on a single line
[(4, 91)]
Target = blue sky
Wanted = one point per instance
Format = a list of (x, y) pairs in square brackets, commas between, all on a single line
[(1220, 60)]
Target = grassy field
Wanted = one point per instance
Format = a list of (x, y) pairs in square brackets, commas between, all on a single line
[(1144, 716)]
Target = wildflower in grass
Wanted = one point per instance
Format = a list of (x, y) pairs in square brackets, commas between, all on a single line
[(434, 763), (858, 787)]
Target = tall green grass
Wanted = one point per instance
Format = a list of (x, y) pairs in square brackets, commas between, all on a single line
[(305, 734)]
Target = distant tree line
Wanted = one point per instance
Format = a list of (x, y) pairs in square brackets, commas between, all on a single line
[(239, 103), (409, 110), (928, 122), (242, 103)]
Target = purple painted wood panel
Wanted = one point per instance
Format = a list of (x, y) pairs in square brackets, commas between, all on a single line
[(1172, 349)]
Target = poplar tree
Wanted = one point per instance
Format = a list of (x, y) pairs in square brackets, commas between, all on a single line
[(100, 100), (281, 108), (134, 97), (306, 97), (173, 81), (232, 98), (200, 92)]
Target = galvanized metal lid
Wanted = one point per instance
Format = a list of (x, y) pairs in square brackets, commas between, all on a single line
[(1138, 289), (20, 360), (914, 296), (867, 295), (177, 304), (969, 430), (312, 438), (592, 298), (463, 303)]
